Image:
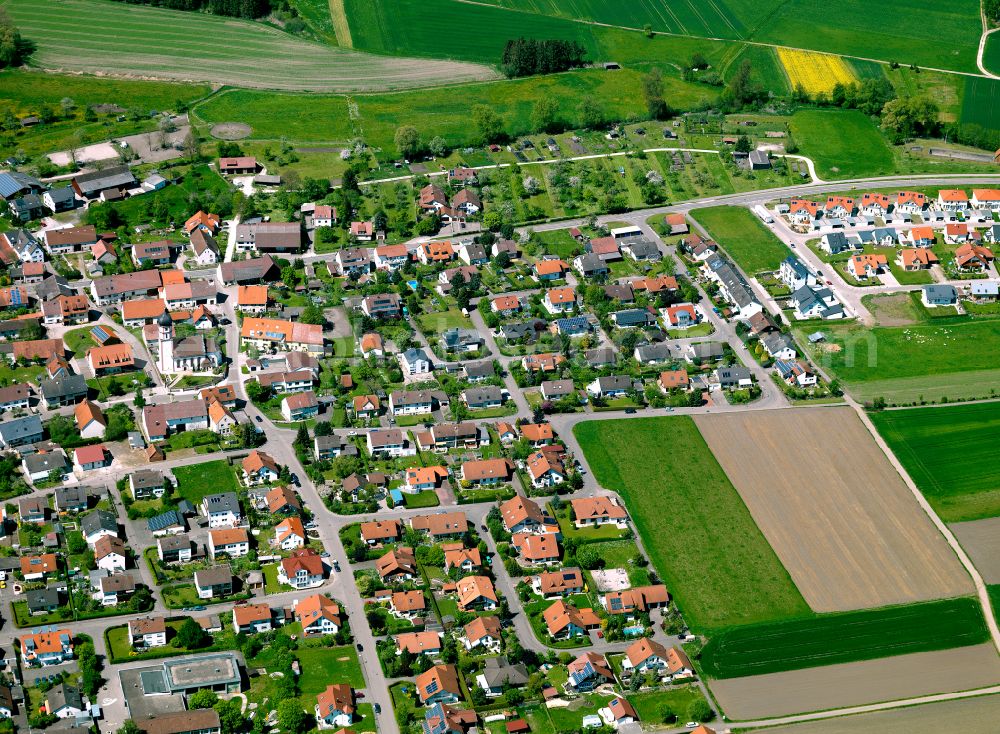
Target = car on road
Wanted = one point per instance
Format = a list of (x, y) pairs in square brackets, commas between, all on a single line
[(352, 433), (324, 554), (336, 565), (377, 707), (361, 648), (829, 282), (295, 480), (258, 419), (629, 411), (692, 725), (792, 245)]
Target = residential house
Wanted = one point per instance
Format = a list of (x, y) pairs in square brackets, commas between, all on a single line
[(398, 565), (318, 615), (174, 549), (50, 647), (487, 472), (335, 706), (938, 295), (637, 600), (588, 671), (214, 581), (408, 604), (555, 584), (302, 570), (98, 524), (482, 632), (564, 621), (732, 377), (536, 549), (300, 406), (498, 674), (611, 386), (796, 373), (230, 542), (252, 618), (147, 632), (559, 300), (390, 442), (110, 554), (438, 684), (290, 534), (597, 511), (260, 468), (414, 361), (419, 643)]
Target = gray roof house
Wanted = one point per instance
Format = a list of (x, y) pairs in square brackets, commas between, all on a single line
[(164, 522), (39, 466), (633, 317), (63, 390), (461, 340), (639, 248), (477, 371), (498, 673), (557, 389), (939, 295), (986, 288), (704, 350), (98, 522), (21, 431), (779, 345), (735, 376), (71, 499), (488, 396), (600, 357), (652, 353), (41, 601), (611, 385)]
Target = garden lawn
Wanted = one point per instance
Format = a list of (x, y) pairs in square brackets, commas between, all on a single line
[(322, 666), (743, 236), (212, 477), (950, 452), (700, 536), (120, 651), (842, 143), (950, 358), (650, 705), (841, 638), (427, 498)]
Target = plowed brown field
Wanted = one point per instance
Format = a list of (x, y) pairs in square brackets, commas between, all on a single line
[(833, 508)]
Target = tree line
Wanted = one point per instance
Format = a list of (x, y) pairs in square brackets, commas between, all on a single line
[(231, 8), (14, 50), (528, 56)]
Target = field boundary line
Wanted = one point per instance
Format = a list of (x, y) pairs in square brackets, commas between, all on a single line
[(867, 708), (341, 26), (981, 591)]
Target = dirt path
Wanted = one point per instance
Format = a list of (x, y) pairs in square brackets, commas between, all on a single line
[(969, 716), (341, 28), (855, 684)]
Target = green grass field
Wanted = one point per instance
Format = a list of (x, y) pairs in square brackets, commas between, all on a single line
[(326, 118), (168, 44), (905, 32), (950, 452), (700, 536), (991, 54), (649, 705), (842, 144), (981, 101), (212, 477), (324, 665), (743, 236), (947, 358), (842, 638), (994, 591), (851, 27)]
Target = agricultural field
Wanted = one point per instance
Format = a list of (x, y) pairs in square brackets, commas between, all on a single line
[(856, 684), (840, 638), (981, 101), (842, 143), (888, 31), (991, 54), (981, 541), (971, 716), (844, 525), (814, 72), (960, 476), (334, 118), (743, 236), (167, 44), (947, 360), (707, 549)]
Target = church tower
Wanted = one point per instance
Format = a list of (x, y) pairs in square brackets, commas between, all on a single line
[(166, 326)]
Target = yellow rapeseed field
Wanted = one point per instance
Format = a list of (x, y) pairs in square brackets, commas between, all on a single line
[(815, 72)]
